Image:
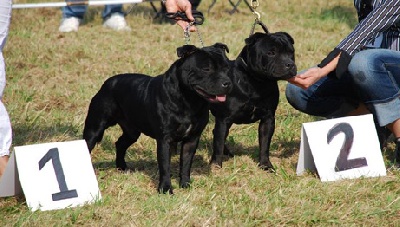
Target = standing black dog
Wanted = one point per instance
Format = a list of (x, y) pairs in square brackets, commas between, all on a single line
[(265, 59), (172, 107)]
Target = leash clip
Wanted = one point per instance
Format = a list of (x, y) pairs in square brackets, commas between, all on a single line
[(254, 4), (258, 15)]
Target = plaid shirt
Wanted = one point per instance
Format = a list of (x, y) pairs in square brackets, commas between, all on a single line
[(379, 27)]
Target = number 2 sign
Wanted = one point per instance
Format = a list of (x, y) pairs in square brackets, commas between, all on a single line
[(55, 175), (341, 148)]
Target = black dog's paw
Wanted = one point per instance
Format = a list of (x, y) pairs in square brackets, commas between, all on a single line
[(215, 166), (184, 181), (122, 166), (184, 184), (267, 166), (164, 188), (217, 160), (165, 191)]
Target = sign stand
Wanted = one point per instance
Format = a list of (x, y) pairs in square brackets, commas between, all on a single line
[(341, 148), (9, 182), (51, 175)]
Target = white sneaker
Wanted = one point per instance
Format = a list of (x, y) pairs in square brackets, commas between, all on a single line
[(70, 24), (116, 22)]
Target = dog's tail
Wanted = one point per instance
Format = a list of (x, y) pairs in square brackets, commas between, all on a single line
[(99, 117)]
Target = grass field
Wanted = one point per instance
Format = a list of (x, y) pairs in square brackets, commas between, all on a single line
[(52, 76)]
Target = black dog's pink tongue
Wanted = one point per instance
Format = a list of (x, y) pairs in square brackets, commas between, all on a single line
[(221, 98), (218, 98)]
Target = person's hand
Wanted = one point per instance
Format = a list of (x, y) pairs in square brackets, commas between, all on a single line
[(308, 78), (312, 75), (174, 6)]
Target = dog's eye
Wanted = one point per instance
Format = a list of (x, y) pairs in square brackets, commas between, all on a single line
[(206, 69), (271, 53)]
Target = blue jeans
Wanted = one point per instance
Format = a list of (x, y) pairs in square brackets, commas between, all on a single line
[(79, 10), (373, 79)]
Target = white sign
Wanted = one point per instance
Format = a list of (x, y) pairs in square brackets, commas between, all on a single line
[(341, 148), (54, 175)]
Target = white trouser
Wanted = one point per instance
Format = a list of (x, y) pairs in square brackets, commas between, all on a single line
[(5, 124)]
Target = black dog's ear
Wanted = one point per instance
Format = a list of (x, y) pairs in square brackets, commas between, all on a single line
[(186, 50), (290, 38), (222, 46), (252, 39)]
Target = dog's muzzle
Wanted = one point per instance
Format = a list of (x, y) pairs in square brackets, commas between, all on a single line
[(218, 94)]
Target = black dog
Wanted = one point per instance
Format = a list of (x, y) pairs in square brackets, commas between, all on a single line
[(265, 59), (172, 107)]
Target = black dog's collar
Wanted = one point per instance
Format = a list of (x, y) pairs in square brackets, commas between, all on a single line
[(240, 61)]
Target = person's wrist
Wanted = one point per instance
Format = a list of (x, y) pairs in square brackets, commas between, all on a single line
[(323, 72)]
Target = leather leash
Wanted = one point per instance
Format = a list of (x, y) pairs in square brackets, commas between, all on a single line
[(198, 17)]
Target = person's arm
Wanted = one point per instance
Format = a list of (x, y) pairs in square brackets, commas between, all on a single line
[(174, 6), (312, 75), (380, 19)]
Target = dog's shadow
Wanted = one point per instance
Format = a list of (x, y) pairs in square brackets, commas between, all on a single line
[(286, 149), (200, 165), (148, 165)]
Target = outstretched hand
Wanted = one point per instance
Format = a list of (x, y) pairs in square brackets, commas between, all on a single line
[(312, 75), (307, 78)]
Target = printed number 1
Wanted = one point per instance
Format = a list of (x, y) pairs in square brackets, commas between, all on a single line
[(64, 193), (342, 162)]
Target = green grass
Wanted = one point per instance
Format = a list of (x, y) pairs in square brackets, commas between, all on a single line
[(52, 77)]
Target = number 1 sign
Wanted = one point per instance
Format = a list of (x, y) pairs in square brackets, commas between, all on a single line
[(341, 148), (55, 175)]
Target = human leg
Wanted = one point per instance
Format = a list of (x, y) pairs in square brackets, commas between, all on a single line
[(329, 97), (111, 9), (5, 125), (376, 76), (77, 11), (5, 137), (72, 16)]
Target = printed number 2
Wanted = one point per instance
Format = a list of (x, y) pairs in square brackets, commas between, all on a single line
[(342, 162), (64, 193)]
